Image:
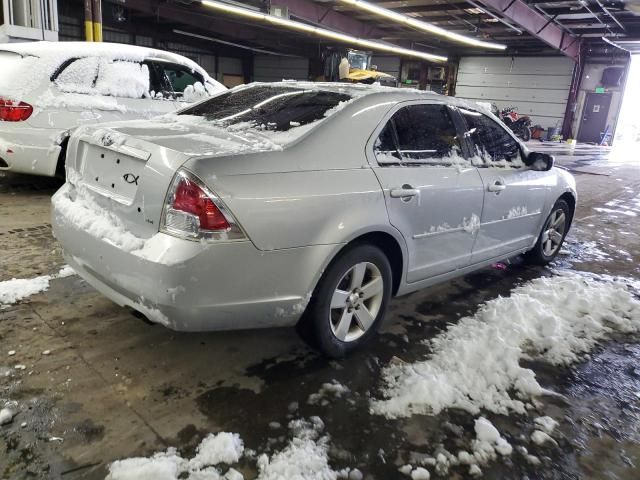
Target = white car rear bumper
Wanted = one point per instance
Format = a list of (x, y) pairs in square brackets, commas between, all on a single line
[(29, 150)]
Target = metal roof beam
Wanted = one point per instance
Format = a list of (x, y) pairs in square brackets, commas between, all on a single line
[(324, 15), (537, 25)]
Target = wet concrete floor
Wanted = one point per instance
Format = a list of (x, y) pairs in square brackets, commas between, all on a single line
[(113, 386)]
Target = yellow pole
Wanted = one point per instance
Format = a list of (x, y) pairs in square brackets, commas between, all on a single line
[(97, 20), (88, 21)]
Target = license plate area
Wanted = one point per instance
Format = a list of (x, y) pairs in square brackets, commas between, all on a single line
[(112, 173)]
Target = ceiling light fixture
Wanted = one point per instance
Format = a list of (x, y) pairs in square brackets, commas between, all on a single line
[(318, 31), (424, 26)]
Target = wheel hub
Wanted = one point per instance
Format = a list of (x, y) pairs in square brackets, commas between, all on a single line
[(353, 300)]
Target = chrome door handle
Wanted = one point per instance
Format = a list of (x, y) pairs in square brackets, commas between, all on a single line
[(497, 186), (403, 192)]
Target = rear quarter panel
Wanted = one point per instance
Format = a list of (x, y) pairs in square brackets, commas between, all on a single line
[(296, 209)]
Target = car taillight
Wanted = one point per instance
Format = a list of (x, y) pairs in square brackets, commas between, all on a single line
[(14, 111), (193, 211)]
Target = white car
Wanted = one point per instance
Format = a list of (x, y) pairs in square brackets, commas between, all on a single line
[(47, 89)]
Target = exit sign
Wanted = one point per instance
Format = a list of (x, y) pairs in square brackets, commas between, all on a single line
[(599, 89)]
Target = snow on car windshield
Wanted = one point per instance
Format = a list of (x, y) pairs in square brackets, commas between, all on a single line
[(269, 108)]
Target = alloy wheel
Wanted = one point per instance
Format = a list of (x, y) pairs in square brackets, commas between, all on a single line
[(356, 301), (554, 232)]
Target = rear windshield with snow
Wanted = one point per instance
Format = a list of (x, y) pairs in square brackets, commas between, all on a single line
[(270, 108), (17, 74)]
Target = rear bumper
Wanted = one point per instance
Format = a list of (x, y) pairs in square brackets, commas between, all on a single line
[(191, 286), (29, 150)]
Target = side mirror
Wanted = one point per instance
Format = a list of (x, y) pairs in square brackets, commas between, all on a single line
[(540, 162)]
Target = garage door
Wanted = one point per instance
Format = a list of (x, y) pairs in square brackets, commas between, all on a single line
[(272, 68), (535, 86)]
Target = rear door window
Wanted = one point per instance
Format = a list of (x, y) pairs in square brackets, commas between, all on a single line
[(102, 76), (79, 76), (492, 145), (419, 134)]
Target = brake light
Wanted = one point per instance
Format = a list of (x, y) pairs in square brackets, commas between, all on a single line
[(14, 111), (190, 198), (193, 211)]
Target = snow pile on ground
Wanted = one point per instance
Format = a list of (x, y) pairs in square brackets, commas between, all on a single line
[(304, 458), (333, 389), (16, 289), (215, 449), (476, 363)]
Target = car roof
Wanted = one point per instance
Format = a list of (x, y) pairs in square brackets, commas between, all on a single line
[(61, 51), (372, 93)]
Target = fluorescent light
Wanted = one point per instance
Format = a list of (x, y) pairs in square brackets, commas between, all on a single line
[(320, 32), (424, 26)]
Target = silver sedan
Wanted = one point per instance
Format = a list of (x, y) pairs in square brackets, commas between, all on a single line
[(302, 204)]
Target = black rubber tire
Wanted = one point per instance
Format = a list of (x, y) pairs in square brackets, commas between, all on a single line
[(525, 134), (315, 327), (536, 255)]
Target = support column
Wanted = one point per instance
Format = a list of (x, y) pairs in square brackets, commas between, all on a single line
[(572, 100), (88, 21), (96, 6)]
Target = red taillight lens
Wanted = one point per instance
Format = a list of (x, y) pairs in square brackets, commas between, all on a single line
[(14, 111), (190, 198)]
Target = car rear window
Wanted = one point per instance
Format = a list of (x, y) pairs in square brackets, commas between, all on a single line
[(18, 75), (270, 108)]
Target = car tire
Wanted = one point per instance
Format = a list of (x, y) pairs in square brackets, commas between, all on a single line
[(552, 236), (349, 302)]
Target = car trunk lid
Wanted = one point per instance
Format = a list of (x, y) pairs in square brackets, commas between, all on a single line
[(127, 168)]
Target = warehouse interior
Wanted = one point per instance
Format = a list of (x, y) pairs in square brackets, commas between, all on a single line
[(559, 58), (512, 367)]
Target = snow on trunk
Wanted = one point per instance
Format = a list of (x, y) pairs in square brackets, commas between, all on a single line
[(476, 364)]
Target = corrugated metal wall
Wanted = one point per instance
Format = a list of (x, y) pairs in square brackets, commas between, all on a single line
[(387, 64), (273, 68), (535, 86)]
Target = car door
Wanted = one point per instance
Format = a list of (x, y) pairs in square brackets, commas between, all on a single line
[(433, 195), (514, 195)]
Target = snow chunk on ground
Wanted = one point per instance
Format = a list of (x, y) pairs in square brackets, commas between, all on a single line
[(304, 458), (420, 473), (334, 389), (162, 466), (540, 438), (213, 450), (16, 289), (221, 448), (8, 412), (476, 363), (546, 424), (488, 442)]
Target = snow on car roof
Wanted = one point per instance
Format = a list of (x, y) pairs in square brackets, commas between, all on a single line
[(359, 90), (61, 51)]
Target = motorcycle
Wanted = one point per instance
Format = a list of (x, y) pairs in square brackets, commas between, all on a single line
[(519, 124)]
